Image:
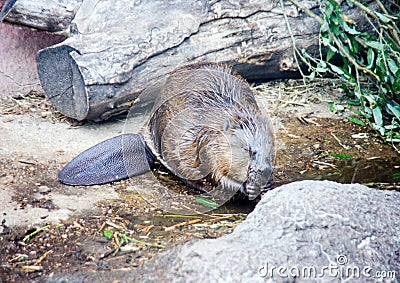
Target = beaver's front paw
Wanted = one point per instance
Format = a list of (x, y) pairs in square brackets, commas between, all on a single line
[(252, 191)]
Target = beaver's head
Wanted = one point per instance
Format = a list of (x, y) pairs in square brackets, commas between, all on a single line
[(247, 155)]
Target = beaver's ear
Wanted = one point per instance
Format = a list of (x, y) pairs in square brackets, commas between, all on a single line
[(232, 122), (111, 160), (227, 125)]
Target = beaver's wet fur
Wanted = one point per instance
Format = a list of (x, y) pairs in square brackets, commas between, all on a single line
[(206, 123)]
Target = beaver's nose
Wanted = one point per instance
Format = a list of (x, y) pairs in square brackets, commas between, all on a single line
[(263, 174)]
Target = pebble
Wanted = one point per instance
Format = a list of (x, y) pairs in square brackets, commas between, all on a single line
[(44, 189), (6, 179)]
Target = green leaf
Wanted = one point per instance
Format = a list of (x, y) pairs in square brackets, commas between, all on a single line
[(396, 84), (370, 58), (125, 237), (394, 109), (382, 17), (368, 112), (328, 9), (331, 106), (333, 48), (322, 64), (108, 234), (355, 45), (391, 127), (375, 44), (321, 67), (341, 156), (392, 66), (207, 202), (396, 175), (329, 54), (378, 128), (356, 121), (339, 107), (342, 72), (336, 69), (334, 4), (349, 30), (353, 103), (377, 112), (335, 108), (324, 27)]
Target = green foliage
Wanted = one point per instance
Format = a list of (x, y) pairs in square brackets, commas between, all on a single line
[(336, 108), (356, 121), (370, 60), (207, 202), (108, 234), (341, 156)]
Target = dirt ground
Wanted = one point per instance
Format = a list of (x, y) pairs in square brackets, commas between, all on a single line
[(47, 227)]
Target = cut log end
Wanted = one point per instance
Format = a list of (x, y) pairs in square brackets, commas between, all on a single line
[(62, 81)]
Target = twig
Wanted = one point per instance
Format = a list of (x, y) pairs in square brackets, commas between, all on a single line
[(340, 143), (292, 102), (295, 50), (116, 226), (308, 12), (353, 178), (365, 9), (129, 239), (182, 224), (32, 267), (324, 163), (102, 227), (180, 216), (147, 228), (40, 259), (37, 231)]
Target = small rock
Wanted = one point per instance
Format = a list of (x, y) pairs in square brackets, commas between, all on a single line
[(44, 189), (317, 146), (7, 180)]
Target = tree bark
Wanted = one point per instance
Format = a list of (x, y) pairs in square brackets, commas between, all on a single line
[(118, 48)]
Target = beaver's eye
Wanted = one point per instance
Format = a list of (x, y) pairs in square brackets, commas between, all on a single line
[(252, 153)]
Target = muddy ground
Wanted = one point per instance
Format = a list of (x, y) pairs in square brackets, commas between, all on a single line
[(47, 227)]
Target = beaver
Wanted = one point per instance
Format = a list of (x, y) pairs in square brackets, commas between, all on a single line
[(205, 125)]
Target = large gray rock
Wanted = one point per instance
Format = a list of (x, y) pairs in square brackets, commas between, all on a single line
[(342, 231)]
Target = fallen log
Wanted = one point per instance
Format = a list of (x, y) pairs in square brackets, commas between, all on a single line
[(118, 48), (47, 15)]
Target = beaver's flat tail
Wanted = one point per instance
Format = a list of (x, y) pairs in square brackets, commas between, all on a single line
[(111, 160)]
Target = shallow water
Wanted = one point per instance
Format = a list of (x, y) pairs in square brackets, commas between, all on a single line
[(326, 150)]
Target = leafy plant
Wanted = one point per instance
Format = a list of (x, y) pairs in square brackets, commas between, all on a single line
[(207, 202), (341, 156), (370, 60), (356, 121)]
